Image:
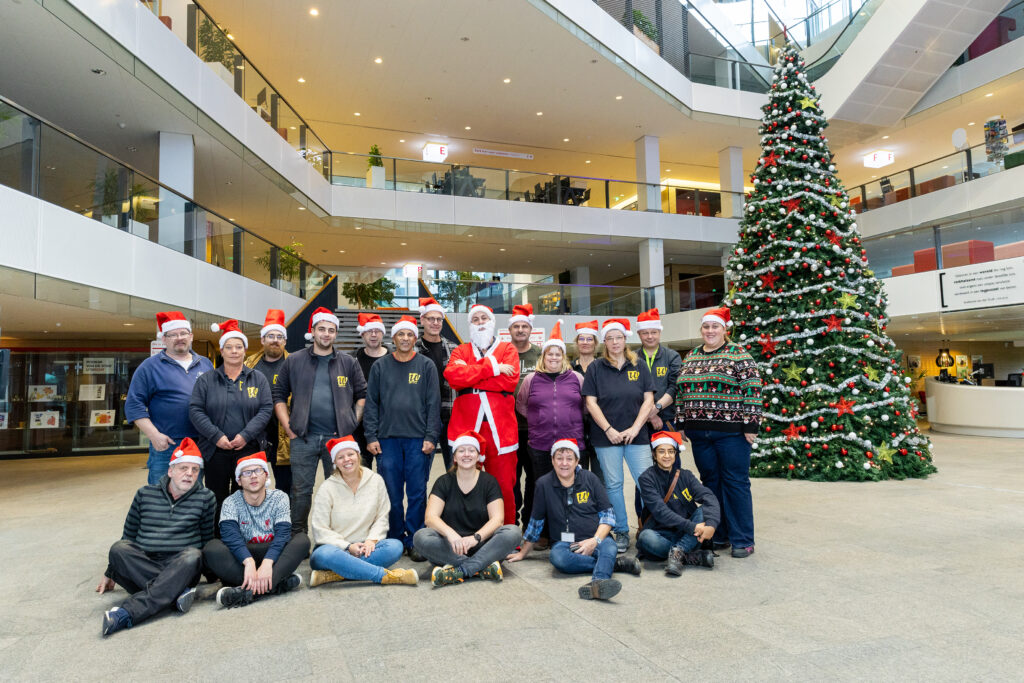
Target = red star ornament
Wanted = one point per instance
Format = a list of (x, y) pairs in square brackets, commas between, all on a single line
[(767, 345), (770, 159), (844, 406), (834, 323), (791, 432), (835, 239), (791, 204), (768, 279)]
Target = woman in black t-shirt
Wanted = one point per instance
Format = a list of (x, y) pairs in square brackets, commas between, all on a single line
[(465, 532)]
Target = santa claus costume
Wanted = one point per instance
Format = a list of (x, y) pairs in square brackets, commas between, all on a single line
[(485, 402)]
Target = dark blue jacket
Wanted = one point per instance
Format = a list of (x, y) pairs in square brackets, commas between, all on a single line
[(674, 516), (161, 389), (209, 405)]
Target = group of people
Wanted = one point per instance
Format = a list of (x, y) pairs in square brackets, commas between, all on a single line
[(498, 412)]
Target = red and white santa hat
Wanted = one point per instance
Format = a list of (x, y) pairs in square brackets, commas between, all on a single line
[(588, 327), (428, 304), (555, 339), (480, 307), (187, 452), (406, 322), (229, 330), (649, 320), (717, 315), (171, 320), (274, 322), (571, 444), (336, 446), (521, 313), (620, 324), (470, 438), (674, 439), (247, 461), (321, 315), (369, 321)]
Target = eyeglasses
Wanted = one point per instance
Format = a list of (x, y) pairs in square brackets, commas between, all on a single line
[(251, 473), (176, 335), (274, 337)]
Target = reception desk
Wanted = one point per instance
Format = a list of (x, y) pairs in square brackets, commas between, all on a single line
[(975, 411)]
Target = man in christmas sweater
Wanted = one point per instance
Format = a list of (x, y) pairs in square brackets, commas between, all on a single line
[(484, 373)]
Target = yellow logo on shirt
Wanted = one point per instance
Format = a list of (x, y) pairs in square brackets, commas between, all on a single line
[(342, 381), (687, 496), (275, 379), (632, 375), (660, 372), (253, 391), (582, 496), (414, 378)]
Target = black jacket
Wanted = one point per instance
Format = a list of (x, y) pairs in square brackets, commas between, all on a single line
[(674, 516), (296, 380), (209, 404)]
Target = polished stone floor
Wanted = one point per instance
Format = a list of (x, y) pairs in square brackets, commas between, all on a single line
[(913, 580)]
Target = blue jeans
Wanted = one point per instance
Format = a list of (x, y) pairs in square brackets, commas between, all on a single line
[(345, 564), (638, 457), (600, 564), (159, 462), (306, 453), (658, 543), (404, 467), (723, 461)]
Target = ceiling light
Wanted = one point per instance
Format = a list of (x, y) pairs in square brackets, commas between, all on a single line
[(232, 220), (292, 127), (128, 324), (302, 208), (401, 140), (378, 61), (618, 97), (565, 139), (403, 243), (359, 227), (356, 113), (383, 263), (540, 113), (971, 123), (314, 12), (588, 161), (301, 79), (468, 128), (885, 137), (989, 94), (508, 80), (341, 251), (230, 37), (668, 170), (469, 235), (501, 249)]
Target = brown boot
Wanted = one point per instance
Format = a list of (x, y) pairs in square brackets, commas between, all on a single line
[(400, 577), (318, 577)]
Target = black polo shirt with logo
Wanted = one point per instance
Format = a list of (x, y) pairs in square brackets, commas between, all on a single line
[(576, 510), (620, 394)]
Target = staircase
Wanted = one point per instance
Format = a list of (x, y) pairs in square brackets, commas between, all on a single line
[(348, 340)]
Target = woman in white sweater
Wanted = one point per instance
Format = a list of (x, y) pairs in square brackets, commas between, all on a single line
[(350, 524)]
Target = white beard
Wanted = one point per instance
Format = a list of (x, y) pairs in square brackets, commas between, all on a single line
[(482, 336)]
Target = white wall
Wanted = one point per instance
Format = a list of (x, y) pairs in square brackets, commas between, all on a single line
[(39, 237)]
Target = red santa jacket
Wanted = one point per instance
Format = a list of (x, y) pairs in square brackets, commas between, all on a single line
[(484, 393)]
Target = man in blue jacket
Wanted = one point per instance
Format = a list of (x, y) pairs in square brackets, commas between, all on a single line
[(160, 390)]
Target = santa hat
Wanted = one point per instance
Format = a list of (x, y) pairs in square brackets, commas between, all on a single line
[(187, 452), (229, 330), (620, 324), (321, 315), (369, 321), (273, 323), (335, 446), (555, 339), (521, 313), (717, 315), (674, 439), (171, 320), (428, 304), (470, 438), (248, 460), (566, 443), (649, 320), (406, 322), (588, 327), (480, 307)]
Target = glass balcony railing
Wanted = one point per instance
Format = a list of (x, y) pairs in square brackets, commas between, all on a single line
[(736, 74), (1006, 27), (547, 298), (41, 160), (214, 44)]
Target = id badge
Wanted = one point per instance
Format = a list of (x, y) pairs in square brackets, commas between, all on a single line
[(568, 537)]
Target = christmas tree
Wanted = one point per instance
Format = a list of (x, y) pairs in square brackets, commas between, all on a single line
[(812, 314)]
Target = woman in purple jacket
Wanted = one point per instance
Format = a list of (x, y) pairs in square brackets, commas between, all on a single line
[(550, 399)]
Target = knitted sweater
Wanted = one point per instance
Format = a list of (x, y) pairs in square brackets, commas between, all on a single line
[(341, 517), (719, 390), (158, 523)]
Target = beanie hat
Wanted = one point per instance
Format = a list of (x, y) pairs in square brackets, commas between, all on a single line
[(674, 439), (588, 327), (555, 339), (369, 321), (321, 315), (187, 452), (620, 324), (649, 320), (480, 307), (428, 304), (171, 320), (521, 313), (335, 446), (717, 315), (566, 443), (229, 330), (406, 322), (470, 438), (246, 460), (273, 323)]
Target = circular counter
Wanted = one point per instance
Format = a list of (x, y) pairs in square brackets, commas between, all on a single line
[(975, 411)]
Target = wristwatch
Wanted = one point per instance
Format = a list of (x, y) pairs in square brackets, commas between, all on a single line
[(477, 537)]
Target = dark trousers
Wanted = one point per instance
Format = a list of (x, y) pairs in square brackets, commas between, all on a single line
[(306, 453), (588, 457), (365, 456), (404, 467), (218, 560), (282, 473), (723, 461), (154, 580), (541, 462), (220, 472), (524, 464), (444, 447)]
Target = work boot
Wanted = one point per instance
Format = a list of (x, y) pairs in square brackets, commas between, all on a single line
[(600, 589), (626, 564), (674, 566), (319, 577), (699, 558), (403, 577)]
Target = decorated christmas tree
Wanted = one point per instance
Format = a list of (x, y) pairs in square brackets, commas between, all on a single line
[(808, 309)]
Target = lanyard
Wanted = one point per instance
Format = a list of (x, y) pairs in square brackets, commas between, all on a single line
[(650, 360)]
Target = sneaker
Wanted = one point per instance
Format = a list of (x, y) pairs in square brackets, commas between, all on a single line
[(720, 545), (700, 558), (621, 541), (600, 589), (116, 619), (627, 565), (415, 556), (289, 584), (491, 572), (234, 596), (443, 576), (674, 566), (400, 577), (184, 602), (319, 577), (743, 552)]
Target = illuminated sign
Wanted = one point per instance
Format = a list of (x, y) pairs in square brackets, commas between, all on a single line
[(435, 151), (412, 269), (879, 158)]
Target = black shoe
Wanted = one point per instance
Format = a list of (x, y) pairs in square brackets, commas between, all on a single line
[(721, 545), (415, 556), (184, 602), (233, 596), (115, 620), (600, 589), (621, 539), (698, 558), (289, 584), (674, 566), (743, 552), (627, 565)]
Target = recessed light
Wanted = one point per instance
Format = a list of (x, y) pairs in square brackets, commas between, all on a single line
[(356, 113), (341, 251), (668, 170), (540, 113), (971, 123), (302, 208), (588, 161), (469, 235), (989, 94), (468, 128), (232, 220), (945, 167), (885, 137), (230, 37), (507, 80), (378, 61), (301, 79), (401, 140), (359, 227), (618, 97), (501, 249), (128, 324), (404, 243), (874, 176), (383, 263), (292, 127), (314, 12), (565, 139)]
